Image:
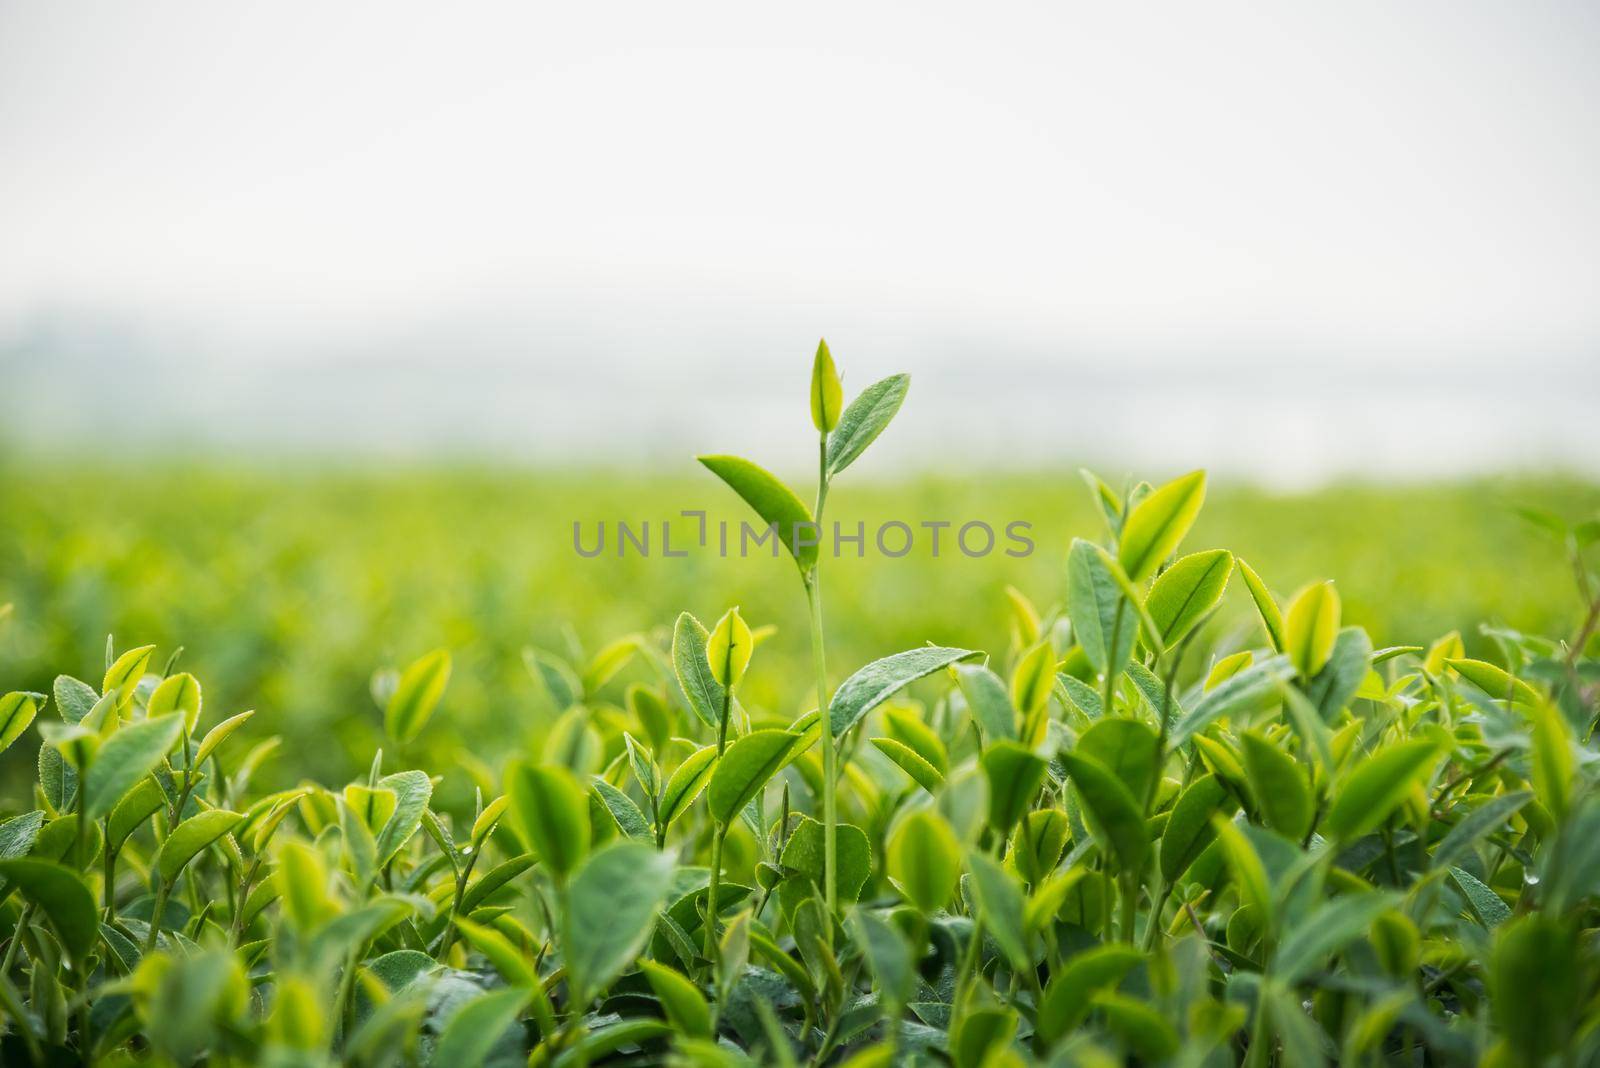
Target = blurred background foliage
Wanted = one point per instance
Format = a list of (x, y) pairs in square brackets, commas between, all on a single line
[(289, 586)]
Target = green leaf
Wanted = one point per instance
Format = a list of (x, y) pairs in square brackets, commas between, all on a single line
[(988, 701), (925, 860), (16, 712), (63, 897), (1127, 748), (18, 834), (682, 1001), (1282, 794), (136, 806), (552, 812), (1186, 591), (1249, 690), (1537, 983), (1337, 682), (125, 758), (1485, 819), (1271, 616), (887, 955), (412, 790), (827, 396), (803, 855), (1104, 632), (610, 908), (1312, 625), (909, 761), (475, 1028), (1496, 682), (1015, 774), (74, 698), (864, 420), (1327, 930), (729, 648), (1486, 905), (417, 694), (124, 674), (1249, 874), (1000, 907), (629, 819), (506, 958), (556, 677), (190, 837), (1377, 786), (686, 783), (1138, 1026), (1117, 818), (774, 502), (1188, 830), (744, 769), (882, 679), (219, 734), (691, 664), (1155, 527), (181, 694), (1066, 1001)]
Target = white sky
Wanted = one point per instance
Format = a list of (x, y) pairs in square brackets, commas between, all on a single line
[(1371, 182)]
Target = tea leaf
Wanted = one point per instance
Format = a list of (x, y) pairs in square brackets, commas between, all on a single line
[(827, 396), (16, 712), (124, 674), (987, 700), (690, 661), (219, 734), (178, 693), (1327, 930), (1245, 692), (1282, 794), (745, 768), (1128, 749), (1117, 818), (686, 783), (552, 812), (925, 860), (1015, 774), (882, 679), (1154, 528), (1189, 830), (124, 759), (1186, 591), (62, 896), (864, 420), (910, 761), (414, 699), (729, 648), (611, 905), (999, 907), (1377, 786), (1485, 819), (774, 502), (190, 837), (412, 790), (682, 1001), (1494, 681), (1103, 623), (1066, 1001), (475, 1028), (1313, 623)]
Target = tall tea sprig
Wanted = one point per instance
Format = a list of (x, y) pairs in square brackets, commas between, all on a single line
[(842, 436)]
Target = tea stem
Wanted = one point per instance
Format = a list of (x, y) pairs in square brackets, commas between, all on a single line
[(830, 756)]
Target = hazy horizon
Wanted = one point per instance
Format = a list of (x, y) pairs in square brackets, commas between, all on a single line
[(1291, 243)]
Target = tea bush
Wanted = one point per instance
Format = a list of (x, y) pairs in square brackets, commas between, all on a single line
[(1118, 835)]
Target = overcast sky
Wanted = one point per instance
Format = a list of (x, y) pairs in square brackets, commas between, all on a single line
[(1384, 185)]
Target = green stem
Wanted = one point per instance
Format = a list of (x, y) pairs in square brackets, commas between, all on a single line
[(1157, 903), (813, 590), (717, 834), (155, 914), (1130, 902), (16, 940)]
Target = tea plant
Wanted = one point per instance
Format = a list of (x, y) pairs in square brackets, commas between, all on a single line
[(1127, 835)]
